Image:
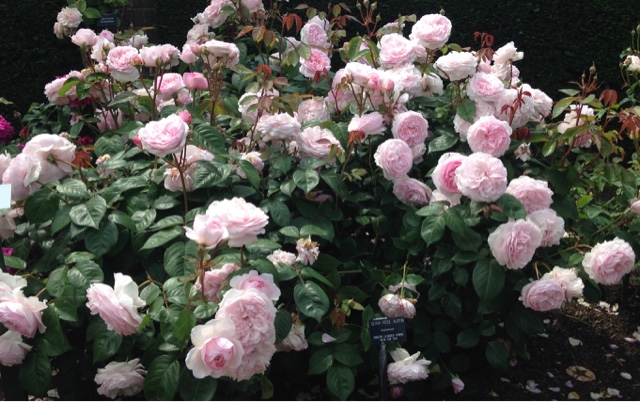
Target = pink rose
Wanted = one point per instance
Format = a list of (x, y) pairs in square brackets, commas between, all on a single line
[(55, 154), (317, 142), (543, 295), (507, 54), (312, 109), (412, 192), (213, 14), (394, 157), (21, 314), (107, 120), (216, 350), (609, 261), (244, 221), (100, 50), (481, 177), (256, 360), (514, 243), (192, 154), (253, 280), (318, 62), (489, 135), (168, 85), (282, 257), (431, 31), (138, 41), (396, 51), (370, 124), (632, 63), (457, 65), (280, 126), (634, 205), (391, 305), (84, 37), (444, 174), (542, 103), (550, 224), (485, 87), (69, 17), (187, 54), (514, 109), (314, 35), (568, 279), (120, 378), (359, 73), (406, 368), (207, 231), (195, 81), (9, 283), (432, 85), (22, 173), (253, 5), (532, 193), (218, 51), (411, 127), (295, 340), (12, 349), (407, 79), (308, 251), (121, 62), (214, 280), (165, 136), (117, 306), (252, 313), (457, 385)]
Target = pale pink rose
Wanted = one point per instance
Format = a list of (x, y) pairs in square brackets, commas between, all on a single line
[(8, 224), (456, 65), (412, 192), (138, 41), (550, 224), (159, 55), (195, 81), (391, 305), (317, 142), (396, 51), (216, 350), (634, 205), (506, 54), (410, 127), (69, 17), (21, 314), (515, 111), (313, 109), (359, 73), (253, 314), (121, 62), (215, 51), (254, 158), (450, 198), (100, 50), (568, 279), (196, 33), (457, 385), (485, 87), (543, 295), (489, 135), (406, 79), (314, 35), (282, 257), (117, 306), (121, 378), (461, 126), (542, 103), (431, 31), (9, 283), (244, 221), (279, 127), (12, 349), (514, 243), (22, 173), (188, 158), (213, 14), (418, 151), (481, 177), (55, 154), (84, 37), (394, 157), (106, 34), (52, 90), (207, 231), (165, 136), (106, 120), (406, 368), (523, 152), (323, 22), (318, 62), (444, 174), (256, 359), (308, 251), (572, 119), (432, 85), (168, 85), (609, 261), (532, 193), (253, 280), (214, 280), (370, 124), (187, 54), (253, 5), (632, 63), (249, 99), (295, 340), (59, 30)]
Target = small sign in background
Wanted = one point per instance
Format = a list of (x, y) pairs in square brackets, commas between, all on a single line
[(387, 330)]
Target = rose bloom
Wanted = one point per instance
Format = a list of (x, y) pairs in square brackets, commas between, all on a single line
[(195, 81), (22, 174), (207, 231), (253, 280), (609, 261), (317, 62), (316, 142), (484, 86), (571, 119), (432, 85), (457, 385), (406, 368), (8, 224), (187, 54), (313, 109), (120, 378), (256, 360), (252, 313), (632, 63), (188, 158), (634, 205), (451, 199), (55, 154), (568, 279), (396, 51), (461, 126), (295, 340), (12, 349), (457, 65), (542, 103), (394, 157), (411, 127), (84, 37), (507, 53), (532, 193), (165, 136), (69, 17), (117, 306), (20, 313), (523, 113), (489, 135), (214, 280), (280, 126), (481, 177), (216, 350), (359, 73), (514, 243), (213, 14), (369, 124), (215, 50), (444, 174), (282, 257), (8, 283), (550, 224), (391, 305), (253, 5), (244, 221), (431, 31), (412, 192), (168, 85), (308, 251), (543, 295), (121, 61), (314, 35), (138, 41)]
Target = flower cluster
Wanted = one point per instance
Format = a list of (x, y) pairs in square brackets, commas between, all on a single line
[(552, 290)]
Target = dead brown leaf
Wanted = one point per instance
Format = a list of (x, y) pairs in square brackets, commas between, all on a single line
[(580, 373)]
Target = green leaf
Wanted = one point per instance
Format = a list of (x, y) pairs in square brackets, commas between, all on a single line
[(310, 273), (14, 262), (100, 242), (109, 145), (84, 274), (161, 382), (54, 340), (196, 389), (123, 99), (253, 176), (322, 228), (467, 110), (340, 381), (311, 300), (162, 237), (497, 355), (320, 361), (182, 327), (511, 207), (468, 338), (266, 386), (90, 213), (454, 221), (432, 229), (176, 259), (280, 213), (442, 143), (165, 202), (306, 180), (91, 13), (347, 354), (42, 205), (283, 324), (105, 344), (142, 219), (211, 138), (334, 181), (561, 106), (65, 310), (35, 373), (61, 219), (488, 279), (72, 188), (169, 221)]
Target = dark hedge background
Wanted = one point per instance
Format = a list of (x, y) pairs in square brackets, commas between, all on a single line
[(560, 39)]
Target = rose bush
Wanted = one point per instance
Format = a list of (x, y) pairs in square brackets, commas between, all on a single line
[(195, 217)]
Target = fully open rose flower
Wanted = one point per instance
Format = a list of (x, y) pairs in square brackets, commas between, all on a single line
[(295, 340), (120, 378), (317, 142), (216, 350), (164, 137), (12, 349), (431, 31), (173, 180), (207, 231), (550, 224), (609, 261), (318, 62), (396, 51), (411, 127), (444, 174), (632, 63), (457, 65), (244, 221), (55, 154), (22, 174), (489, 135), (20, 313), (568, 279), (117, 306), (213, 14), (256, 360), (394, 157), (543, 295), (215, 51), (253, 280), (369, 124), (485, 87), (121, 62), (252, 313), (214, 280), (532, 193), (314, 35), (282, 257), (280, 126), (313, 109), (406, 368), (412, 192), (392, 305), (513, 243), (481, 177), (308, 250), (69, 17)]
